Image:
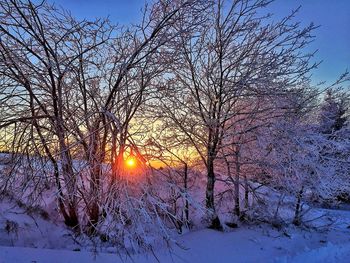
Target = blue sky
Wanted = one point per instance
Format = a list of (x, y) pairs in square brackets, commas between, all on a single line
[(332, 38)]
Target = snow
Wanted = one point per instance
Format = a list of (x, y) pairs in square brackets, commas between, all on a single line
[(327, 254), (246, 244), (37, 239), (34, 238)]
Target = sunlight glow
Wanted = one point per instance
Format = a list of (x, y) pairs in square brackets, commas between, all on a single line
[(130, 162)]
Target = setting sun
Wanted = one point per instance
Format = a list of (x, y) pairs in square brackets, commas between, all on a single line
[(130, 162)]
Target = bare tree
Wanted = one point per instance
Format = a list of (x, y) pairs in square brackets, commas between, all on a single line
[(71, 88), (236, 54), (38, 52)]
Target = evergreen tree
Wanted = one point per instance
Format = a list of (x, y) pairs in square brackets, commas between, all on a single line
[(333, 112)]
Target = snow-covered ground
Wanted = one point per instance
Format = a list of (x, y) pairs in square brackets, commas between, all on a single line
[(247, 244), (29, 234), (32, 238)]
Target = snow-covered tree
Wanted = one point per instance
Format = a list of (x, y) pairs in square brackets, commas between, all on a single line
[(70, 90), (333, 112), (234, 55)]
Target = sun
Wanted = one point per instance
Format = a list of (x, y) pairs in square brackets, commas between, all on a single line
[(130, 162)]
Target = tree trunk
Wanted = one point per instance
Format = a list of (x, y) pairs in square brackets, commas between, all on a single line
[(97, 156), (246, 193), (296, 220), (70, 182), (210, 186), (210, 202), (186, 191), (70, 217), (237, 175)]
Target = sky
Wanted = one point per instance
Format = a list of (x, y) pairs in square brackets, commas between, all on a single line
[(332, 37)]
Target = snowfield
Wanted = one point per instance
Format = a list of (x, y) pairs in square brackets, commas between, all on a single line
[(243, 245), (33, 234), (248, 243), (28, 234)]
